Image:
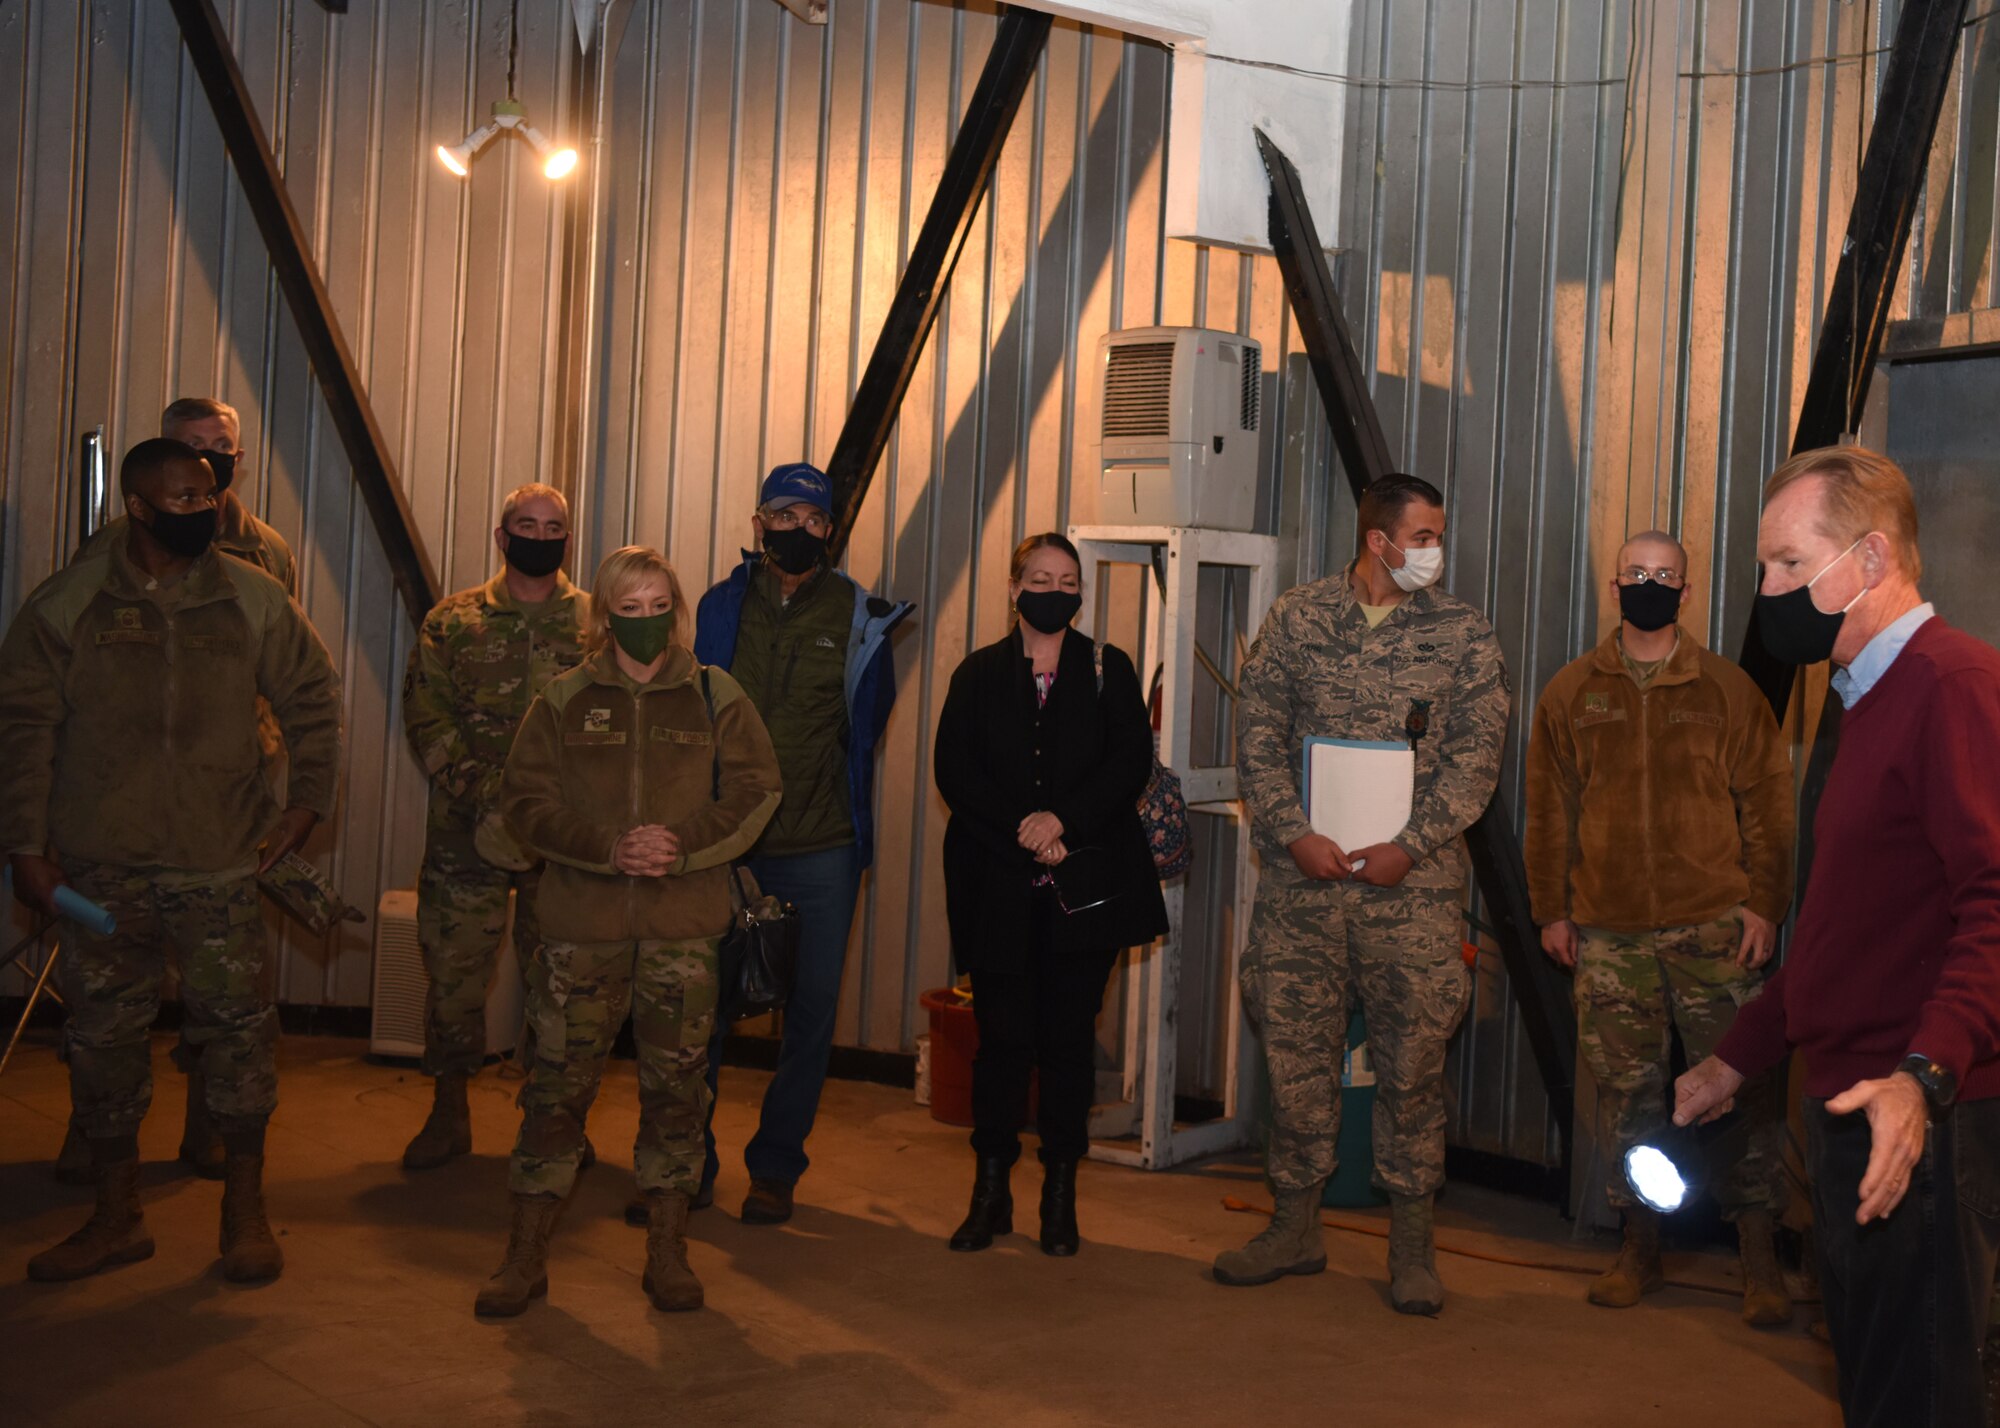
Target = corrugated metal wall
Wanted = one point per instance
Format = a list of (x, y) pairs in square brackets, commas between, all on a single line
[(1584, 247), (764, 180), (1588, 246)]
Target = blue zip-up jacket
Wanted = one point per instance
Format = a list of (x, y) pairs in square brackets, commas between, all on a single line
[(870, 679)]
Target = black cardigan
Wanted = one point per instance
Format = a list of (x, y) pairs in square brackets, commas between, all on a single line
[(1085, 757)]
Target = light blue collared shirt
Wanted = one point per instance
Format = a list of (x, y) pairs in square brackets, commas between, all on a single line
[(1877, 655)]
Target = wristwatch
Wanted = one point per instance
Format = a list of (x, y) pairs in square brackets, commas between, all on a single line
[(1940, 1087)]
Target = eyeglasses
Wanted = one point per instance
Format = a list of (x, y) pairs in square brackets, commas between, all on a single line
[(790, 519), (1639, 575)]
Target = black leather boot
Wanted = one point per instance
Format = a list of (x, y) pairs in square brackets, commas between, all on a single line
[(992, 1211), (1059, 1235)]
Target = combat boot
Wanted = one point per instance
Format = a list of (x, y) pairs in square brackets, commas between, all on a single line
[(668, 1280), (637, 1215), (114, 1234), (73, 1160), (1766, 1302), (201, 1142), (992, 1210), (447, 1132), (1638, 1269), (1290, 1244), (524, 1274), (250, 1253), (1414, 1286)]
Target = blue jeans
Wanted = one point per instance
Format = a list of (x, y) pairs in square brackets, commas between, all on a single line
[(824, 887)]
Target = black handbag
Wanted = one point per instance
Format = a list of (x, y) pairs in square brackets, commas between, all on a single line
[(759, 956)]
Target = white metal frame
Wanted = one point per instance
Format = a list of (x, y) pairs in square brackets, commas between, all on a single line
[(1152, 975)]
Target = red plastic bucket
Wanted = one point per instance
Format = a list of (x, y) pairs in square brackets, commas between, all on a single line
[(954, 1042)]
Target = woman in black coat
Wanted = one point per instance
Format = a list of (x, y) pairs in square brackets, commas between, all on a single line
[(1047, 874)]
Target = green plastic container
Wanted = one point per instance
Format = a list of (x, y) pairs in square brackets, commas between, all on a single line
[(1351, 1187)]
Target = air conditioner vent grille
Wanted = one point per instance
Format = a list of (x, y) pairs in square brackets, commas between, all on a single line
[(1138, 390), (1253, 385)]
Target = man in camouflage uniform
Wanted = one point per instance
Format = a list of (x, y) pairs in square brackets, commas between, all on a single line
[(1659, 856), (480, 660), (1376, 652), (212, 428), (130, 768)]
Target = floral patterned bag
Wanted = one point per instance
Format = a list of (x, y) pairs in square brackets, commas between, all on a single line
[(1162, 807)]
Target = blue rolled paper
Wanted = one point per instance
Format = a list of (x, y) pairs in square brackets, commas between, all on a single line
[(78, 909)]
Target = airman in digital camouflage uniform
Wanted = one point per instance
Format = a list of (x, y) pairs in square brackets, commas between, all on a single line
[(131, 769), (1659, 856), (214, 429), (482, 657), (1376, 652)]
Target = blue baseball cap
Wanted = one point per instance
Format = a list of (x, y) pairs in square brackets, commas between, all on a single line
[(796, 484)]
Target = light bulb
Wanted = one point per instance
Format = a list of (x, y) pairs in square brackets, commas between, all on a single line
[(561, 164), (1655, 1179), (456, 160)]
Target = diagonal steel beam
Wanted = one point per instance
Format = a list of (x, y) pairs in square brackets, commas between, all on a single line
[(1915, 79), (1539, 989), (1010, 66), (312, 309)]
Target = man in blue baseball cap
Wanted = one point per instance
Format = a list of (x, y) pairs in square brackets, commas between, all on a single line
[(811, 648)]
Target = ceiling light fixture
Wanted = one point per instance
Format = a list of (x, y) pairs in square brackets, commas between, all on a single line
[(510, 116)]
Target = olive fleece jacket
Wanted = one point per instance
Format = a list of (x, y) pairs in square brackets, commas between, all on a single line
[(128, 714), (598, 756), (1657, 807)]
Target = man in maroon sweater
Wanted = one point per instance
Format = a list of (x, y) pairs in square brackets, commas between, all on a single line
[(1891, 989)]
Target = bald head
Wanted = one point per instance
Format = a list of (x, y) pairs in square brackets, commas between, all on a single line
[(1654, 550)]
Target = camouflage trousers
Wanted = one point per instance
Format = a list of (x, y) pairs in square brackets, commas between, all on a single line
[(1314, 948), (461, 914), (211, 926), (578, 993), (1633, 990)]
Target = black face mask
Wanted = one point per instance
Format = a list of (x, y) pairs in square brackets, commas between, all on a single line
[(1048, 610), (535, 558), (794, 551), (1796, 630), (186, 534), (1649, 605), (223, 464)]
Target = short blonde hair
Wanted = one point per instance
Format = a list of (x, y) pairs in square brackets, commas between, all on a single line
[(521, 495), (1862, 491), (184, 411), (622, 571)]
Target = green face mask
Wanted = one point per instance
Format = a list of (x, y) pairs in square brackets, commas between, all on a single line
[(644, 637)]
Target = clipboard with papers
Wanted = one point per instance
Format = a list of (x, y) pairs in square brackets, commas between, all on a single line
[(1358, 791)]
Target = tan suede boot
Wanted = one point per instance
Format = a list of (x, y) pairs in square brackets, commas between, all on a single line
[(1414, 1286), (114, 1234), (1290, 1244), (1637, 1271), (669, 1281), (201, 1142), (524, 1274), (250, 1253), (448, 1130), (1767, 1303)]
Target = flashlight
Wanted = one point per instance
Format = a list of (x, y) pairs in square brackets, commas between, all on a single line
[(1666, 1170)]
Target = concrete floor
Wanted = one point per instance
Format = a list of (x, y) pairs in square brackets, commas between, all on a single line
[(852, 1314)]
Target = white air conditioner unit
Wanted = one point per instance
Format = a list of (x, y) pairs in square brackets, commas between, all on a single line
[(401, 983), (1178, 428)]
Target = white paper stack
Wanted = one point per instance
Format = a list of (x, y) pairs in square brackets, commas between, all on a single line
[(1357, 791)]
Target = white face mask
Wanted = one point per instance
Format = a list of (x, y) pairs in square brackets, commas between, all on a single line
[(1421, 566)]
